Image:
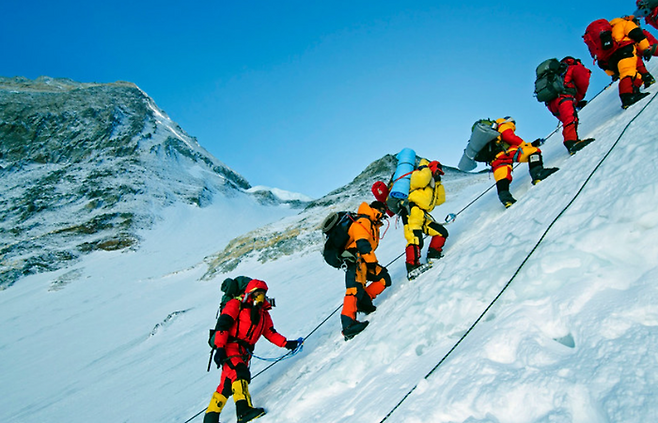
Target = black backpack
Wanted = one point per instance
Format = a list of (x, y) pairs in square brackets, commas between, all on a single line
[(233, 288), (550, 80), (335, 228)]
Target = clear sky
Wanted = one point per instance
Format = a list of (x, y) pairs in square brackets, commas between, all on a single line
[(303, 95)]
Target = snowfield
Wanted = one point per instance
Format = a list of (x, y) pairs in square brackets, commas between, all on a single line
[(570, 337)]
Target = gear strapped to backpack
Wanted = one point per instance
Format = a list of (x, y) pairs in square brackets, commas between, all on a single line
[(549, 84), (484, 133), (335, 227)]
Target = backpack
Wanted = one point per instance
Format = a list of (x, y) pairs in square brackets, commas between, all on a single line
[(233, 288), (648, 5), (598, 37), (484, 134), (335, 227), (550, 80)]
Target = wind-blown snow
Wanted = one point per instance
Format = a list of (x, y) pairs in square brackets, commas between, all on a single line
[(121, 337), (281, 194)]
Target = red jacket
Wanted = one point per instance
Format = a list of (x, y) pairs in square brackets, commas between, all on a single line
[(577, 77), (511, 138), (244, 329)]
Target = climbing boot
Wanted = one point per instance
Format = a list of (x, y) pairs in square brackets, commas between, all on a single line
[(243, 407), (217, 403), (364, 305), (435, 250), (648, 80), (628, 99), (354, 329), (506, 198), (537, 170), (434, 254), (251, 414), (575, 146), (542, 174)]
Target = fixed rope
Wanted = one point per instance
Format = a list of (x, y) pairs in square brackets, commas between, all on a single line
[(525, 260)]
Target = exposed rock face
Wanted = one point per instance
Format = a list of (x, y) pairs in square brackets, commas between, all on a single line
[(84, 166)]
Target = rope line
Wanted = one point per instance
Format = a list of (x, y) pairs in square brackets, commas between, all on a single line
[(525, 260)]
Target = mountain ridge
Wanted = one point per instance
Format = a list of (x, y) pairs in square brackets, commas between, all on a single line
[(84, 166)]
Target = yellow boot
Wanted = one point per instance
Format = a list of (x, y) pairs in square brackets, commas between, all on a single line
[(243, 407), (217, 403)]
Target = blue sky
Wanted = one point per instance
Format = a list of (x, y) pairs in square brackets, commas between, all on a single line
[(303, 95)]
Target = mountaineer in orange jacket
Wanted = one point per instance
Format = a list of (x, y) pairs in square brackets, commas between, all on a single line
[(626, 32), (241, 323), (626, 43), (514, 149), (565, 106), (425, 192), (363, 241)]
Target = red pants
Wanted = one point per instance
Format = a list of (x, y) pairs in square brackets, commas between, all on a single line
[(564, 108)]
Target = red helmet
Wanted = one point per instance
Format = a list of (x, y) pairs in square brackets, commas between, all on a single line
[(435, 167), (255, 285)]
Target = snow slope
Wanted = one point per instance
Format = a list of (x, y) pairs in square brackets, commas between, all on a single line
[(121, 337)]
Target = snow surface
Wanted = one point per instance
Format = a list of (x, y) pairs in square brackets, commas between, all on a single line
[(121, 337)]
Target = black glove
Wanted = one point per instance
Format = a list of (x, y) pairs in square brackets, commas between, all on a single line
[(211, 338), (648, 53), (581, 104), (538, 142), (292, 345), (220, 357)]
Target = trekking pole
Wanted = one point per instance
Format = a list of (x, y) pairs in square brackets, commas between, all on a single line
[(210, 359)]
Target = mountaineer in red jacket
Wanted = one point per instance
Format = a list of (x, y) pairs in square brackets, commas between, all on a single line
[(648, 9), (565, 107), (242, 322)]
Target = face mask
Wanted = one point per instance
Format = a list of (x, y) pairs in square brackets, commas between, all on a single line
[(259, 297)]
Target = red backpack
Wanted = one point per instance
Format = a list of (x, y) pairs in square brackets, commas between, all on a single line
[(598, 37)]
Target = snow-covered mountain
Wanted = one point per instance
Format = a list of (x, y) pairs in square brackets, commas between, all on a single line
[(84, 166), (544, 312)]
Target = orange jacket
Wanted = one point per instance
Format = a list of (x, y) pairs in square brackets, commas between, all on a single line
[(364, 233), (626, 32)]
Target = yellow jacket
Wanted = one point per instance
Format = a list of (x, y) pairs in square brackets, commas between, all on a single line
[(622, 32), (424, 191)]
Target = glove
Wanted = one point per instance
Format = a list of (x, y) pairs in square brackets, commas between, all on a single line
[(220, 357), (211, 339), (538, 142), (581, 104), (648, 53), (292, 345)]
